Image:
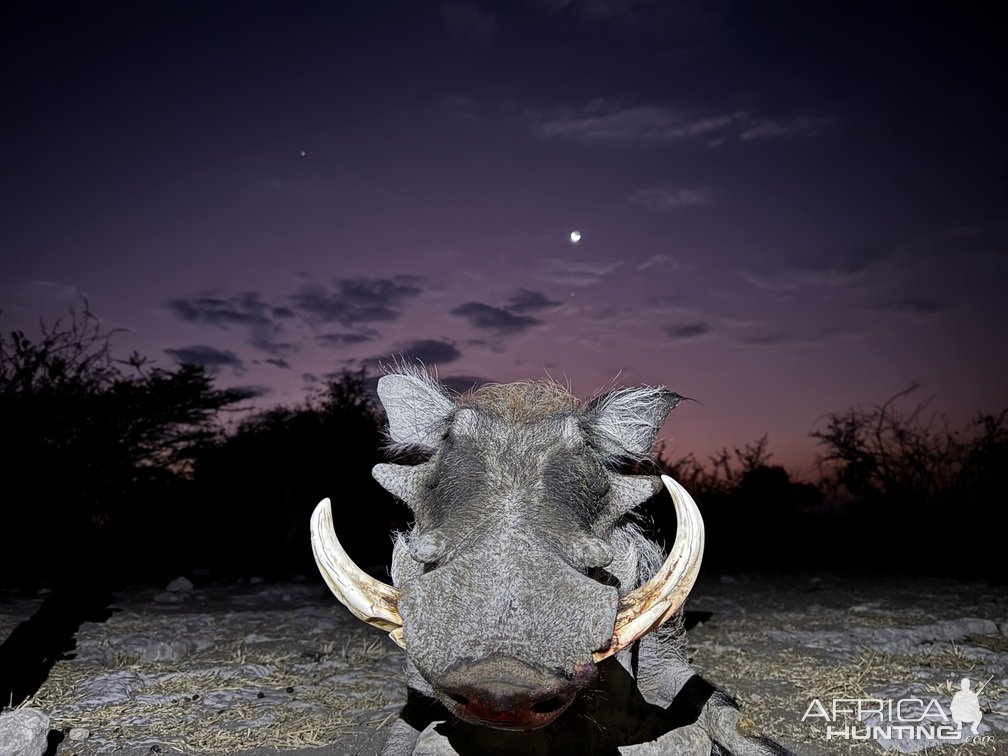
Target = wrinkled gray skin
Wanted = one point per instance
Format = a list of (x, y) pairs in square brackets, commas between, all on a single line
[(511, 576)]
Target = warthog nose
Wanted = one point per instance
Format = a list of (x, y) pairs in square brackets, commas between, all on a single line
[(501, 691)]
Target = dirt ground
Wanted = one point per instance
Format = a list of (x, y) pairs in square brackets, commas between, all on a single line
[(281, 669)]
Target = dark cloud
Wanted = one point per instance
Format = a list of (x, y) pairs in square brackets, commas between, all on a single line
[(826, 270), (209, 357), (683, 27), (351, 301), (495, 345), (278, 362), (849, 262), (912, 307), (493, 318), (802, 125), (688, 330), (462, 384), (785, 338), (246, 309), (468, 22), (659, 261), (526, 300), (576, 271), (342, 339), (768, 339), (261, 341), (604, 121), (429, 352), (367, 291), (254, 391), (672, 197)]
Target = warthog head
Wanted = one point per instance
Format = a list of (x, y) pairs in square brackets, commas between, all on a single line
[(521, 572)]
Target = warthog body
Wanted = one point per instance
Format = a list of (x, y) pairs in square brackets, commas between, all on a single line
[(523, 553)]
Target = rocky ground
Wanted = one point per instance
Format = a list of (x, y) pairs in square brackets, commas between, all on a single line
[(269, 669)]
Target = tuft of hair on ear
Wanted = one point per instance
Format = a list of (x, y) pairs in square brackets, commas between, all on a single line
[(417, 407), (622, 424)]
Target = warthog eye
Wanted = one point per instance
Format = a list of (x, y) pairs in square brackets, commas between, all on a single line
[(587, 553), (599, 486), (428, 548)]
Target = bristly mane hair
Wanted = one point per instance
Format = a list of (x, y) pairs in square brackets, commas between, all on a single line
[(613, 416), (522, 401)]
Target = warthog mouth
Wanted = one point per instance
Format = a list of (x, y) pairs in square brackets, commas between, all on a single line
[(535, 716), (517, 717), (640, 611), (508, 694)]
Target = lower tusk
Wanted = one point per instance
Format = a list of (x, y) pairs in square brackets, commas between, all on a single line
[(368, 599), (645, 608)]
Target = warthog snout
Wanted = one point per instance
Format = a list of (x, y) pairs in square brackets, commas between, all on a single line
[(507, 693)]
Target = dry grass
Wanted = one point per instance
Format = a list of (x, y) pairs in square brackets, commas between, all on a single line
[(173, 703), (789, 680)]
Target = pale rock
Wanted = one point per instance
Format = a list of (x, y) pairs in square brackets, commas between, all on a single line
[(179, 585), (24, 732)]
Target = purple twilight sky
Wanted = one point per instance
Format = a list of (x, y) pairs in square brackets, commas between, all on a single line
[(786, 209)]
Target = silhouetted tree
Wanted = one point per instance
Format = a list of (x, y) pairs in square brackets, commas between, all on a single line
[(752, 509), (259, 485), (724, 470), (98, 444), (908, 478), (887, 457)]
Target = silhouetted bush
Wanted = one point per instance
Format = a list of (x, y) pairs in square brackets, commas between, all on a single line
[(752, 509), (916, 492), (723, 472), (888, 459), (899, 492), (96, 446), (126, 466), (258, 486)]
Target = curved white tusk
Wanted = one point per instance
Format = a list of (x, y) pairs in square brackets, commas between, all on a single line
[(368, 599), (645, 608)]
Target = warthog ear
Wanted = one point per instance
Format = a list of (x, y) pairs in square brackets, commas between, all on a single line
[(623, 424), (417, 409)]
